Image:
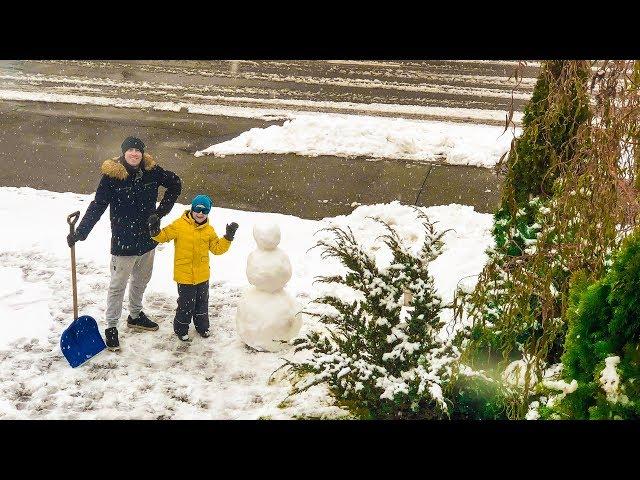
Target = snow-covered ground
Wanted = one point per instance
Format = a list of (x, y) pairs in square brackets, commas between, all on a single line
[(155, 375), (375, 137)]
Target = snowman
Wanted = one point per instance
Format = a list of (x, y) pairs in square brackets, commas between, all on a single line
[(267, 315)]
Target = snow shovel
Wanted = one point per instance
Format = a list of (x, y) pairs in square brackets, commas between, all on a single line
[(81, 340)]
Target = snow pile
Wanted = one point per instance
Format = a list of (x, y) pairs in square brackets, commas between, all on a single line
[(463, 254), (156, 375), (376, 137)]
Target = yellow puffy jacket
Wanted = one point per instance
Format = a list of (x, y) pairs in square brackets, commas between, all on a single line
[(193, 243)]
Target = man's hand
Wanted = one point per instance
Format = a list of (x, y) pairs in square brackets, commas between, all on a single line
[(72, 238), (231, 231), (154, 225)]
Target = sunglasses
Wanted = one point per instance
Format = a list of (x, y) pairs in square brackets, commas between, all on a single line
[(199, 209)]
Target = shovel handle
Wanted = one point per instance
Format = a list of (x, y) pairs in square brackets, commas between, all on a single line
[(71, 220)]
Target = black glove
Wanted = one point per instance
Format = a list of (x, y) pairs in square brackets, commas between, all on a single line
[(72, 238), (231, 231), (154, 225)]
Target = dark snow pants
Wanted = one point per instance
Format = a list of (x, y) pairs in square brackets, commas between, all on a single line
[(193, 303)]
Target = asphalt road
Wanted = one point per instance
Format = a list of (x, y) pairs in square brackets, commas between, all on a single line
[(418, 88), (60, 147)]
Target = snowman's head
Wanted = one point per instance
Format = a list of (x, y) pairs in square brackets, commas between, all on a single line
[(267, 235)]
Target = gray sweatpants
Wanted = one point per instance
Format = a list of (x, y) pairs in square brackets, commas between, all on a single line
[(135, 269)]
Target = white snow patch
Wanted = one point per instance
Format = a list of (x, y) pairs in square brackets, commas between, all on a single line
[(24, 307), (376, 137), (610, 381)]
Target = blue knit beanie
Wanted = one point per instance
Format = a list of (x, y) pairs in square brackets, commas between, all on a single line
[(203, 201)]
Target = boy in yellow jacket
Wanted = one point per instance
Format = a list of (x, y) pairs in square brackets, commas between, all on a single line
[(194, 239)]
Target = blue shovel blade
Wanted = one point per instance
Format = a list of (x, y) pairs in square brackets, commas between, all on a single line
[(81, 341)]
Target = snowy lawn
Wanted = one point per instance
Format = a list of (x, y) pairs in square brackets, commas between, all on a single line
[(155, 375)]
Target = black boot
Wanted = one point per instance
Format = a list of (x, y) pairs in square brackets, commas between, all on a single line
[(184, 338), (111, 334), (141, 323)]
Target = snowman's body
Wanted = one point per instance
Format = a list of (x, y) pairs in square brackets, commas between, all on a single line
[(266, 316)]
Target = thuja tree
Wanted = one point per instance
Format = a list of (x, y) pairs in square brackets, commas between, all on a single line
[(602, 350), (558, 109), (384, 355), (593, 203), (553, 117)]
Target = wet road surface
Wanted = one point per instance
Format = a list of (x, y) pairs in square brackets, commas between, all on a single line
[(60, 147), (416, 89)]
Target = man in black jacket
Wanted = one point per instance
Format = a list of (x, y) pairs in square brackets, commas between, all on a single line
[(129, 185)]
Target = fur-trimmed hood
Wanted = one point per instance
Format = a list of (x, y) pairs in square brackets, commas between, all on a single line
[(113, 167)]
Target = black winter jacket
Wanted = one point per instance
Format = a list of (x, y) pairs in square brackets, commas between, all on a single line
[(132, 196)]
